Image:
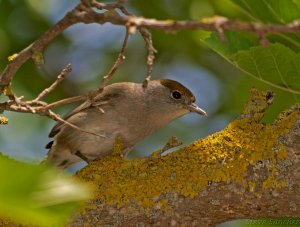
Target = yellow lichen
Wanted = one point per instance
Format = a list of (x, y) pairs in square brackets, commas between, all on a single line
[(282, 154), (251, 186), (118, 146), (38, 58), (223, 156), (12, 57), (272, 182), (3, 120), (8, 91)]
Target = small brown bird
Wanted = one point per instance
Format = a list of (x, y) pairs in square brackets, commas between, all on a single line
[(125, 110)]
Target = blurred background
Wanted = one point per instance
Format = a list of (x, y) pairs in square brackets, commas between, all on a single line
[(220, 89)]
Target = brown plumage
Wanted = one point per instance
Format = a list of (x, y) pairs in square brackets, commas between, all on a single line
[(128, 111)]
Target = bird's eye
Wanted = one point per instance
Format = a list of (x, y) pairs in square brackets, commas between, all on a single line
[(176, 95)]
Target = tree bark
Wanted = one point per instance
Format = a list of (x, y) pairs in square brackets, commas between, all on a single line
[(248, 170)]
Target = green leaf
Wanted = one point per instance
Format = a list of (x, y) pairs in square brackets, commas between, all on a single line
[(274, 11), (235, 41), (297, 3), (276, 65), (37, 195)]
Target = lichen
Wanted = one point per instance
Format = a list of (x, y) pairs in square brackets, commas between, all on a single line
[(3, 120), (272, 182), (12, 57), (223, 156)]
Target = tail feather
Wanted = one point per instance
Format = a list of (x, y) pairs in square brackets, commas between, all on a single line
[(49, 145), (59, 156)]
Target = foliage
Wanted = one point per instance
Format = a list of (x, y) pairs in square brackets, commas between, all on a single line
[(36, 194), (275, 64)]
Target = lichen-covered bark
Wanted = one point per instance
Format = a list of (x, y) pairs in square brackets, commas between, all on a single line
[(247, 170)]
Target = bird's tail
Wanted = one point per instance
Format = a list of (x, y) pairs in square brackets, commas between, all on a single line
[(59, 156)]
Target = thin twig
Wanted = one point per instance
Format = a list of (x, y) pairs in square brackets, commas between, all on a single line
[(59, 79), (46, 112), (151, 54), (78, 98), (56, 117), (149, 44), (105, 6), (120, 59)]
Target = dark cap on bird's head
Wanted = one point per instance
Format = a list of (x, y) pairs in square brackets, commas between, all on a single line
[(178, 90)]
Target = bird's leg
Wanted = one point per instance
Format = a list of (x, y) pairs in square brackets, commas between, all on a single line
[(80, 155)]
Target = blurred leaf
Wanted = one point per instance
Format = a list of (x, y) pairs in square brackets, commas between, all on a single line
[(35, 194), (297, 2)]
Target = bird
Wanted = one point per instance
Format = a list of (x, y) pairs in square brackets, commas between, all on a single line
[(126, 110)]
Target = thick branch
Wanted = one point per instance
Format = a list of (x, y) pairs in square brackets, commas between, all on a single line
[(248, 170)]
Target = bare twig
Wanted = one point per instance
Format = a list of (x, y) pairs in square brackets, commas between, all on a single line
[(59, 78), (105, 6), (22, 107), (263, 39), (120, 59), (150, 57), (78, 98), (218, 23), (149, 45), (56, 117)]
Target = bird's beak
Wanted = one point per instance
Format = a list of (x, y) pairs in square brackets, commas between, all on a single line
[(196, 109)]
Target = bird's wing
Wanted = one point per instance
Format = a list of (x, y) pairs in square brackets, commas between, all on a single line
[(77, 109), (100, 100)]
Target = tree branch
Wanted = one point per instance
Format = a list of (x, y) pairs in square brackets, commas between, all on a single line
[(84, 13), (248, 170)]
